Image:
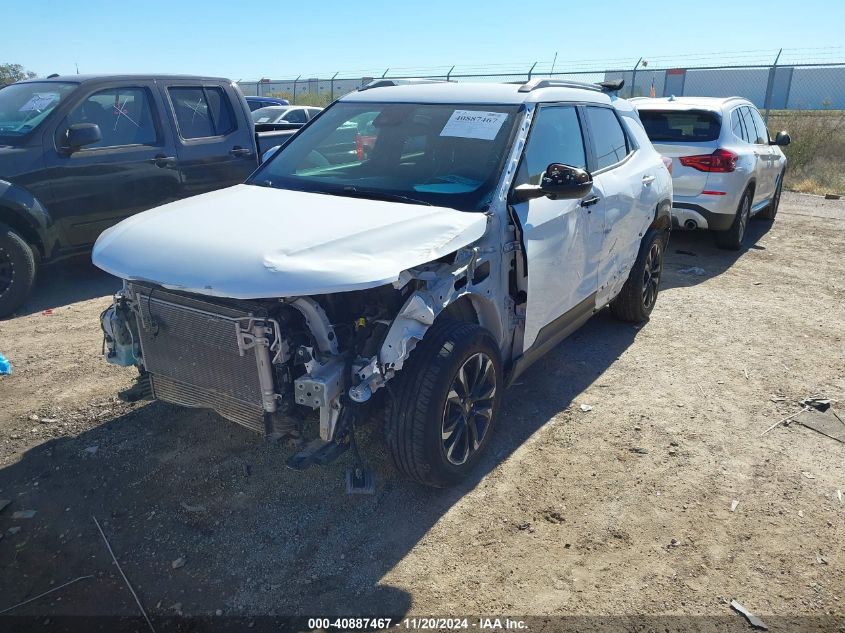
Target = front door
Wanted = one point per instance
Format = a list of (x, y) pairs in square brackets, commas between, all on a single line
[(100, 184), (562, 238)]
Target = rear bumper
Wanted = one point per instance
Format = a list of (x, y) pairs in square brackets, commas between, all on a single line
[(715, 213)]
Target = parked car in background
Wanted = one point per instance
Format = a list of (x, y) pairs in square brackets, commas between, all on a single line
[(262, 102), (283, 117), (479, 226), (80, 153), (725, 166)]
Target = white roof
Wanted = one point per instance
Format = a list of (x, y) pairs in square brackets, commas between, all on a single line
[(480, 93), (684, 103)]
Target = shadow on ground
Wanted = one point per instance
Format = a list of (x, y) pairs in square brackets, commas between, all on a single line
[(689, 250), (68, 281), (169, 483)]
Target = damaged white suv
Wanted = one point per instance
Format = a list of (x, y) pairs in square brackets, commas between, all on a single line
[(410, 251)]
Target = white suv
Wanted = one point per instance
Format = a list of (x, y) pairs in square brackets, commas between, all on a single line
[(725, 167), (484, 223)]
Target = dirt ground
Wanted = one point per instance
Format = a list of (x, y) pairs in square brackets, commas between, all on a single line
[(625, 509)]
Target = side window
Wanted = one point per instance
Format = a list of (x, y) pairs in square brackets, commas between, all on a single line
[(748, 122), (609, 141), (312, 112), (736, 125), (295, 116), (202, 112), (762, 132), (555, 138), (124, 116)]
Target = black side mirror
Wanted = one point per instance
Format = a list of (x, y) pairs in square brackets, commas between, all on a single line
[(82, 134), (782, 138), (559, 182)]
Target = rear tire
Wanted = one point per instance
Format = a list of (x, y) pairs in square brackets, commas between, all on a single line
[(732, 238), (444, 404), (771, 211), (17, 270), (639, 294)]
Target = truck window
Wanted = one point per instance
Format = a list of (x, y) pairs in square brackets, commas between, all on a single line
[(202, 111), (555, 138), (124, 116)]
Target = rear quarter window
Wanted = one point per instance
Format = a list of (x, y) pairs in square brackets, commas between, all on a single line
[(682, 126)]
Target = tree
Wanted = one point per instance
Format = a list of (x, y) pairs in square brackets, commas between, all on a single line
[(10, 73)]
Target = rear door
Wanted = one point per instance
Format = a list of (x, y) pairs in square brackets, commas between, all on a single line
[(102, 183), (760, 152), (562, 238), (623, 179), (216, 146)]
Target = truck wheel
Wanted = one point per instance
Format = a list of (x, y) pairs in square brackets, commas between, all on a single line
[(444, 403), (732, 238), (17, 270), (639, 294), (771, 211)]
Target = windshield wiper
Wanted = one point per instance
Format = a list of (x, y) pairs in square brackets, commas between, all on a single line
[(354, 192)]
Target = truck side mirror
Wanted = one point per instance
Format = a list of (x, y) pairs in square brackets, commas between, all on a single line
[(782, 138), (559, 182), (81, 134)]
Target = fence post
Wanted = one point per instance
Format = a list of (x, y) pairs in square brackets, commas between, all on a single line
[(530, 70), (770, 87), (385, 73), (634, 76), (332, 87), (259, 87), (449, 74), (294, 89)]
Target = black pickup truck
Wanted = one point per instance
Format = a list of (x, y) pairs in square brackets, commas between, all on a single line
[(80, 153)]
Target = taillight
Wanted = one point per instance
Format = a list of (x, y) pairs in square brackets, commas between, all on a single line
[(721, 160), (668, 162)]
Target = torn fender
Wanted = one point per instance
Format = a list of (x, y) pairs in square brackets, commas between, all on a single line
[(249, 242)]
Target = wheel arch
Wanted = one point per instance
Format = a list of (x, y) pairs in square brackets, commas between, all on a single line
[(24, 213)]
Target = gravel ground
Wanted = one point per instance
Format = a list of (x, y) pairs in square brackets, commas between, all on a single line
[(625, 509)]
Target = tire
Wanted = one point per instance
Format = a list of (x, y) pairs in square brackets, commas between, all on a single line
[(17, 270), (639, 294), (732, 238), (771, 211), (427, 403)]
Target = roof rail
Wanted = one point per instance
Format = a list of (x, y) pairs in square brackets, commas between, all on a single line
[(383, 83), (604, 86)]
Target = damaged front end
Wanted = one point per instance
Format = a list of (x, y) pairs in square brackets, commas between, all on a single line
[(272, 365)]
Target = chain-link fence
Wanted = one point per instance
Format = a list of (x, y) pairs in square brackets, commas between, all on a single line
[(807, 98)]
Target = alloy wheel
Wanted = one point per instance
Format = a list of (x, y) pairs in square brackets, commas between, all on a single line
[(469, 408), (7, 270), (651, 275), (743, 218)]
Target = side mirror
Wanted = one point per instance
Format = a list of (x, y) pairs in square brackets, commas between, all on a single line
[(782, 138), (82, 134), (559, 182)]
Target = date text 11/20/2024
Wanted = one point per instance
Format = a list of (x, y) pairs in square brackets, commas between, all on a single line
[(420, 623)]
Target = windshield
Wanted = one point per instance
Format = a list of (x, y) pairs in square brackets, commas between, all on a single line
[(23, 106), (681, 125), (444, 155), (271, 114)]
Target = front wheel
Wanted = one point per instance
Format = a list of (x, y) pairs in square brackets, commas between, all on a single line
[(444, 404), (639, 294), (17, 270)]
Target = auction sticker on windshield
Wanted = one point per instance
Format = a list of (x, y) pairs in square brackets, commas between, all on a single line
[(474, 124), (38, 102)]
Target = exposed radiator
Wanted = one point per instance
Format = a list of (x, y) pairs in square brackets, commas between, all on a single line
[(196, 357)]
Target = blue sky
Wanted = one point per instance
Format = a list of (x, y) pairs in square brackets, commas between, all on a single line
[(248, 40)]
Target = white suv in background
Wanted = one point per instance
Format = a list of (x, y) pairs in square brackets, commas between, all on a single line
[(725, 166)]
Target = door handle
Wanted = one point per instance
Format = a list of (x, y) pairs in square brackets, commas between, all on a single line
[(240, 151), (647, 180), (588, 202), (163, 161)]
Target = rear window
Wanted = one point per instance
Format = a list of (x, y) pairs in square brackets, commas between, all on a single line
[(684, 126)]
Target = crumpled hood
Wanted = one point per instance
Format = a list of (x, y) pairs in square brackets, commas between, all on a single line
[(249, 242)]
